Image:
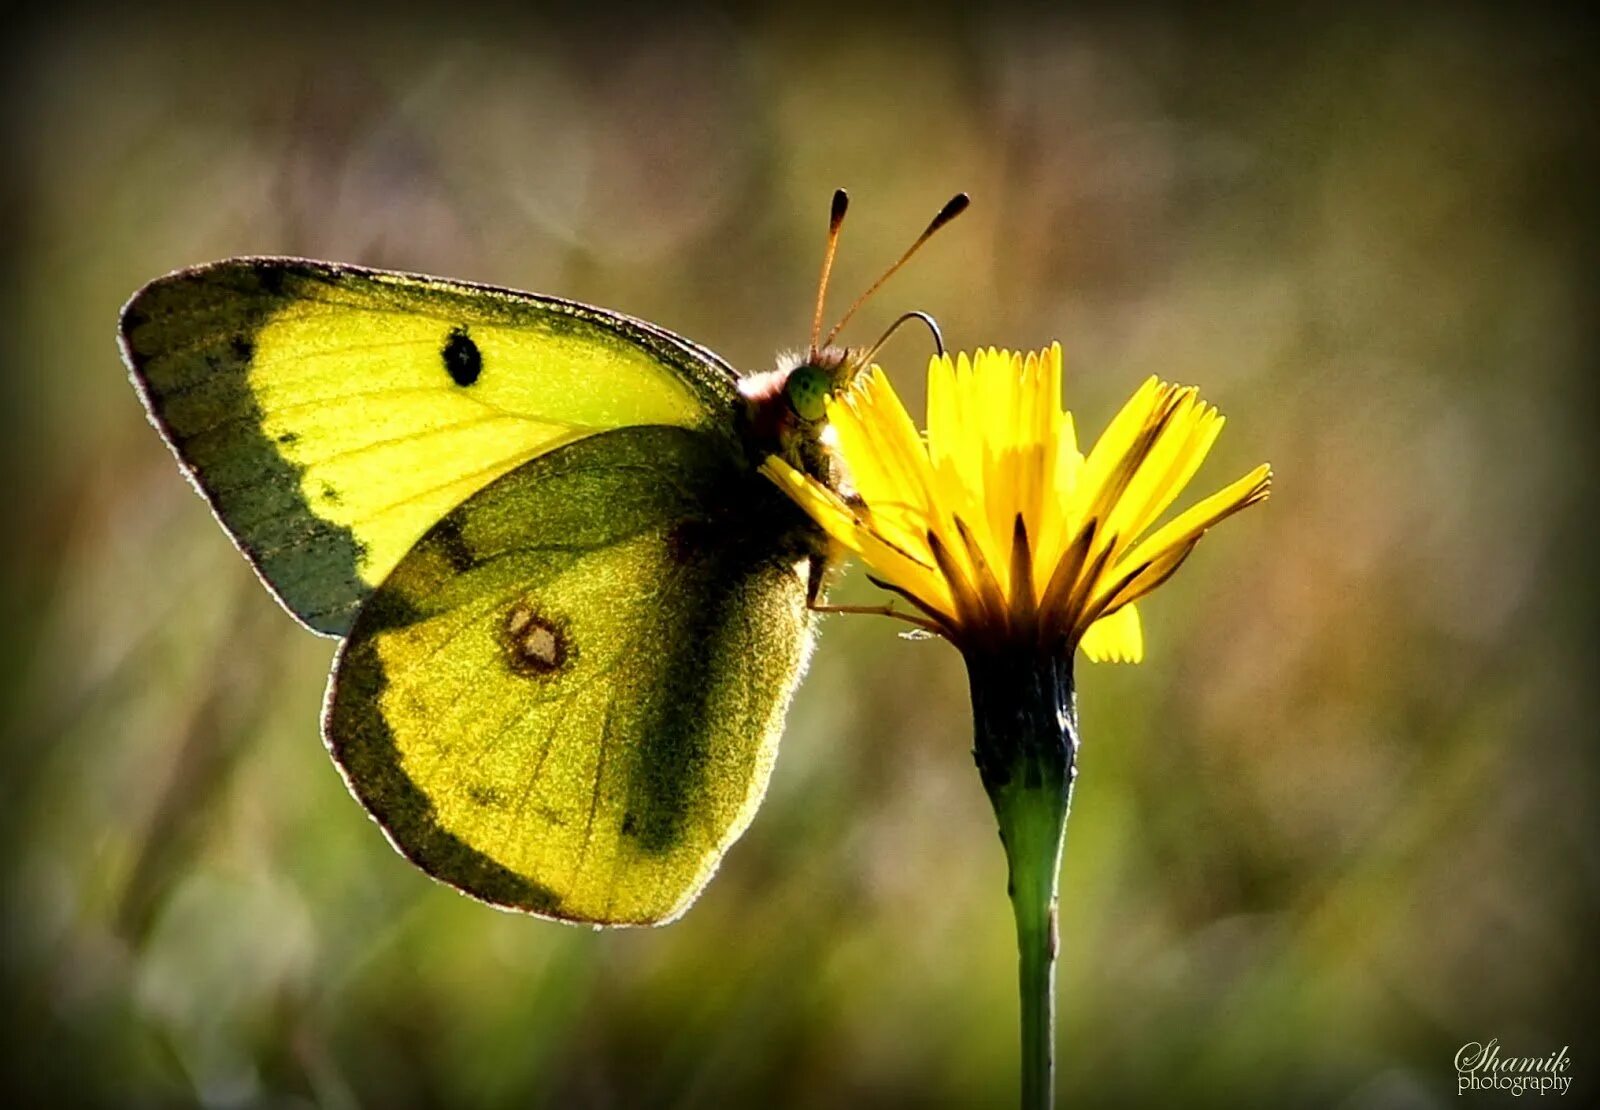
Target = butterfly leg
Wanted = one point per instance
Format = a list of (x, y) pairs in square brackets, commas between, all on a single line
[(820, 566), (877, 611), (881, 611)]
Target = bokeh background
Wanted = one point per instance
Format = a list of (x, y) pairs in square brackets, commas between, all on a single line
[(1341, 822)]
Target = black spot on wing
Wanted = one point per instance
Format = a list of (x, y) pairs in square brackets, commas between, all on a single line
[(490, 797), (461, 358), (535, 644)]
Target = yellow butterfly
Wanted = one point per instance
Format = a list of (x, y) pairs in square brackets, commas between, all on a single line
[(572, 611)]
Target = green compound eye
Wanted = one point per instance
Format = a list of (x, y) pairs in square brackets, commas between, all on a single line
[(807, 391)]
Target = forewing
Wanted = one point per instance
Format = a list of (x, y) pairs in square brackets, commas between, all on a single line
[(567, 697), (330, 414)]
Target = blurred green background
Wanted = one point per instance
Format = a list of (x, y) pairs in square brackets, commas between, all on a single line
[(1341, 822)]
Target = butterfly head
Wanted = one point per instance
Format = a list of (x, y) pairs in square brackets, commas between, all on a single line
[(806, 390), (809, 381), (789, 405)]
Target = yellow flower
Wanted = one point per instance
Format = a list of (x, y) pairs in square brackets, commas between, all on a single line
[(995, 525)]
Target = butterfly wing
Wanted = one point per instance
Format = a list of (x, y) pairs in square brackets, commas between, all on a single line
[(566, 698), (330, 414)]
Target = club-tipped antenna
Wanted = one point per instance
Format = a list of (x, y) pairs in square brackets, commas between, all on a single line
[(905, 317), (841, 201), (953, 208)]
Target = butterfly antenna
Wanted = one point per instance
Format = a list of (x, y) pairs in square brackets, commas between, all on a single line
[(953, 208), (933, 326), (841, 201)]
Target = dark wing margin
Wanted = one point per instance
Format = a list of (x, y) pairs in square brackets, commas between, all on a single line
[(186, 339)]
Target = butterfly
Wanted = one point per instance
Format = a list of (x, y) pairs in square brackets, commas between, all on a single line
[(571, 610)]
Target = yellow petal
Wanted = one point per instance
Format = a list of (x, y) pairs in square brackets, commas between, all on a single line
[(1172, 461), (855, 421), (1193, 522), (1170, 408), (1115, 592), (1118, 638), (1118, 437), (951, 455), (896, 436), (1114, 461), (1053, 536), (905, 568), (944, 413)]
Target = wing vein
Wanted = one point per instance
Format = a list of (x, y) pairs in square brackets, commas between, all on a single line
[(594, 797), (408, 437)]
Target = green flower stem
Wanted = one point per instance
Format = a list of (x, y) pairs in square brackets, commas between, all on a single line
[(1025, 742)]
